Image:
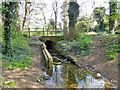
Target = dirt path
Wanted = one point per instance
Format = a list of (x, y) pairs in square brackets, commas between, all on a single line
[(26, 78), (98, 62)]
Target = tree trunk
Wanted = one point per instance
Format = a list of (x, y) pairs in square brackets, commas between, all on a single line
[(65, 8), (7, 27), (113, 7), (24, 20), (55, 9), (65, 30), (18, 20), (87, 29), (111, 26), (55, 22), (73, 33)]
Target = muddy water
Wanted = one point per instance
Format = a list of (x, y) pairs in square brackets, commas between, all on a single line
[(68, 75)]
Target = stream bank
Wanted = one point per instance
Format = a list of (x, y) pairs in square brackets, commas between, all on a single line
[(96, 61), (67, 74), (64, 73)]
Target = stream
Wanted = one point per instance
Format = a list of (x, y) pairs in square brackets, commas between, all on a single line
[(68, 75)]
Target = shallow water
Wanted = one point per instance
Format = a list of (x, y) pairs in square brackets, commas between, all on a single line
[(68, 75)]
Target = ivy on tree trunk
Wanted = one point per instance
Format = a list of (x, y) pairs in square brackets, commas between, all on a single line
[(8, 9), (73, 13), (112, 16)]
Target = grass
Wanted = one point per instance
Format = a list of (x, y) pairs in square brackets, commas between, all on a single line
[(97, 33)]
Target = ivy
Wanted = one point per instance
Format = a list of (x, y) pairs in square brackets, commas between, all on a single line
[(73, 13), (113, 11), (8, 12)]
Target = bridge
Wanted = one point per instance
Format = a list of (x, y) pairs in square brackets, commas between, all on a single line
[(45, 34)]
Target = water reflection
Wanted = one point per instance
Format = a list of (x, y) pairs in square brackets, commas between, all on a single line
[(68, 75)]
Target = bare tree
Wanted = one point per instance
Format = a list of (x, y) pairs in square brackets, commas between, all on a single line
[(65, 17), (24, 20), (43, 7), (55, 9)]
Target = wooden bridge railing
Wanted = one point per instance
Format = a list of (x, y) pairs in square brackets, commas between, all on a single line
[(43, 32)]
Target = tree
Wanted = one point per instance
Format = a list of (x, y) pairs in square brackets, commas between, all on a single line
[(52, 24), (73, 13), (55, 9), (8, 12), (85, 24), (112, 16), (64, 14), (42, 9), (99, 14), (25, 16)]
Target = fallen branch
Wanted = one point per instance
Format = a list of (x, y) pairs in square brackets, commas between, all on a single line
[(59, 59)]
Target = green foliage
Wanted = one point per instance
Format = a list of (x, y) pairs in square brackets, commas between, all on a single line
[(9, 16), (85, 24), (112, 16), (113, 11), (21, 58), (83, 44), (19, 40), (84, 41), (79, 46), (99, 15), (117, 32), (11, 83), (25, 35), (5, 84), (40, 79), (73, 13), (112, 46), (22, 55)]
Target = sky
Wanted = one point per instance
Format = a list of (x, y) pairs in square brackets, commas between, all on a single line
[(85, 9)]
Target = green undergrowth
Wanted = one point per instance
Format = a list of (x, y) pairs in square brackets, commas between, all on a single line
[(40, 79), (21, 53), (79, 46), (112, 46), (6, 84)]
